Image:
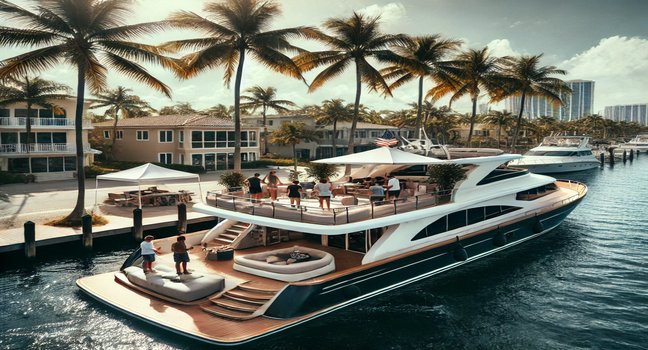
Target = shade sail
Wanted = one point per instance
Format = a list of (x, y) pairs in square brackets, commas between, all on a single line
[(148, 173), (381, 155)]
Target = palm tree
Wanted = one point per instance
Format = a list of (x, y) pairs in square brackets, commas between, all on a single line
[(527, 78), (591, 124), (119, 100), (471, 73), (89, 35), (33, 92), (265, 99), (238, 28), (292, 133), (330, 113), (354, 40), (500, 120), (220, 111), (420, 58)]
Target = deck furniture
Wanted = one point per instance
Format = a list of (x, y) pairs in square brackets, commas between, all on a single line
[(320, 263), (185, 288)]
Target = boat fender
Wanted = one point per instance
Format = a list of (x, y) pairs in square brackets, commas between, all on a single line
[(499, 239), (537, 226), (459, 253)]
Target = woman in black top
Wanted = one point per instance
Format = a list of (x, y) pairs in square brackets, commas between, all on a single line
[(294, 193), (254, 184)]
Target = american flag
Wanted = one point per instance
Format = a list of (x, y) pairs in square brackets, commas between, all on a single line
[(388, 139)]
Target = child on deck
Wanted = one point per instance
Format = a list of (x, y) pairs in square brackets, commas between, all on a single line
[(180, 255), (148, 253)]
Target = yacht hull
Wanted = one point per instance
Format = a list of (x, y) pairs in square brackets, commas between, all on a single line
[(301, 302), (555, 168)]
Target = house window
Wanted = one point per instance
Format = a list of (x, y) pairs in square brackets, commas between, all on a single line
[(181, 137), (252, 139), (196, 139), (45, 113), (106, 134), (142, 135), (166, 136), (4, 113), (120, 135), (270, 122), (166, 158), (22, 113), (244, 139)]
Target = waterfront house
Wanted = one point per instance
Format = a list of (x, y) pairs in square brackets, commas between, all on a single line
[(180, 139), (365, 135), (51, 152)]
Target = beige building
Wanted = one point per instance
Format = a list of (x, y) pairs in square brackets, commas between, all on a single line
[(180, 139), (51, 152), (365, 135)]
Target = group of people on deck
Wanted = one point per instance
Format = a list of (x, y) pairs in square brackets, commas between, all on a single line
[(324, 189)]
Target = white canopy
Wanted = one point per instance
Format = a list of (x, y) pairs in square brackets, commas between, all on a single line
[(147, 174), (381, 155)]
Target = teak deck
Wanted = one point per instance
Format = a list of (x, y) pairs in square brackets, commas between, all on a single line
[(190, 320)]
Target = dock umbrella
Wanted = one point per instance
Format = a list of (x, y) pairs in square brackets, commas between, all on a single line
[(147, 174)]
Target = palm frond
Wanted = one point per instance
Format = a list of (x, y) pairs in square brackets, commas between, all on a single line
[(32, 62), (329, 73), (137, 72), (191, 20), (140, 52), (277, 61), (29, 37), (211, 57)]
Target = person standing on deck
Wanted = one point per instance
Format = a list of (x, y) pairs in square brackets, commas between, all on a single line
[(294, 193), (148, 251), (254, 186), (181, 255), (324, 189), (377, 192), (393, 187), (273, 184)]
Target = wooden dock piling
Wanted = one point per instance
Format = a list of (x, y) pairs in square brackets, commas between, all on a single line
[(625, 156), (611, 150), (30, 239), (86, 238), (602, 157), (138, 230), (182, 217), (631, 155)]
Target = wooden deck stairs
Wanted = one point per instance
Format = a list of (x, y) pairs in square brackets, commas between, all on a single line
[(232, 233), (243, 302)]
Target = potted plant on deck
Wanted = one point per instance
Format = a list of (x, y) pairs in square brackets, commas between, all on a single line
[(445, 176), (233, 181)]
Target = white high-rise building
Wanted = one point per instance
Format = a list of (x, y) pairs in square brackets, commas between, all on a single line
[(580, 103), (637, 113)]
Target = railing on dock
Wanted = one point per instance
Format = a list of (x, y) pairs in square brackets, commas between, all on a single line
[(333, 216)]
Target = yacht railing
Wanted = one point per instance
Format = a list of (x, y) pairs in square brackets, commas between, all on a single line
[(579, 187), (332, 216)]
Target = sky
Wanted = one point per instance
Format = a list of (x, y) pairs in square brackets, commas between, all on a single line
[(601, 40)]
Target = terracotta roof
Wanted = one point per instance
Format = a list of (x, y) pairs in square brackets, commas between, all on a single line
[(170, 120)]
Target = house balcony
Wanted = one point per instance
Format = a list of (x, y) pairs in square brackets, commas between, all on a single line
[(36, 123), (37, 148)]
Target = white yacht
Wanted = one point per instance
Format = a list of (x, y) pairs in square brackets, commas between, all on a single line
[(558, 154), (270, 266), (425, 146), (639, 143)]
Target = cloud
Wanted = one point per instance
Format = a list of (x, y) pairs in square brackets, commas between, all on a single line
[(502, 47), (618, 65), (515, 24), (390, 14)]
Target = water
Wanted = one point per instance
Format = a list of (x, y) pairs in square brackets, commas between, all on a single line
[(582, 286)]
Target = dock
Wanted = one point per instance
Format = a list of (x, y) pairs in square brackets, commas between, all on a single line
[(120, 221)]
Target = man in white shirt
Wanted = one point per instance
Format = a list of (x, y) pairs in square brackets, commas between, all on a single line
[(393, 187), (148, 251)]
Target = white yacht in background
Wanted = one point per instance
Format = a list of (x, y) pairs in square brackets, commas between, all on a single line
[(558, 154), (639, 143), (275, 266)]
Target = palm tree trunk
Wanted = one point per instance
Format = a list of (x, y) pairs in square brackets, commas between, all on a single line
[(79, 208), (265, 131), (114, 134), (472, 120), (499, 135), (419, 107), (354, 123), (294, 149), (519, 120), (237, 112), (28, 126), (334, 140)]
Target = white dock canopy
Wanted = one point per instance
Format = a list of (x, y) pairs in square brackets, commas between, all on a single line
[(381, 155), (147, 174)]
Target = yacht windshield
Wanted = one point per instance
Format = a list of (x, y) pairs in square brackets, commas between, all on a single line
[(551, 153)]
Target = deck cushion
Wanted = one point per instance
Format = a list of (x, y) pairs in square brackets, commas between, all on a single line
[(188, 288), (319, 263)]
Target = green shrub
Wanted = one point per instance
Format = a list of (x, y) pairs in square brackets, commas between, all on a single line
[(262, 163), (321, 171), (445, 175), (232, 180), (12, 178)]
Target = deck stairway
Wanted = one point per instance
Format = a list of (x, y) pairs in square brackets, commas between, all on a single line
[(232, 233), (240, 303)]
